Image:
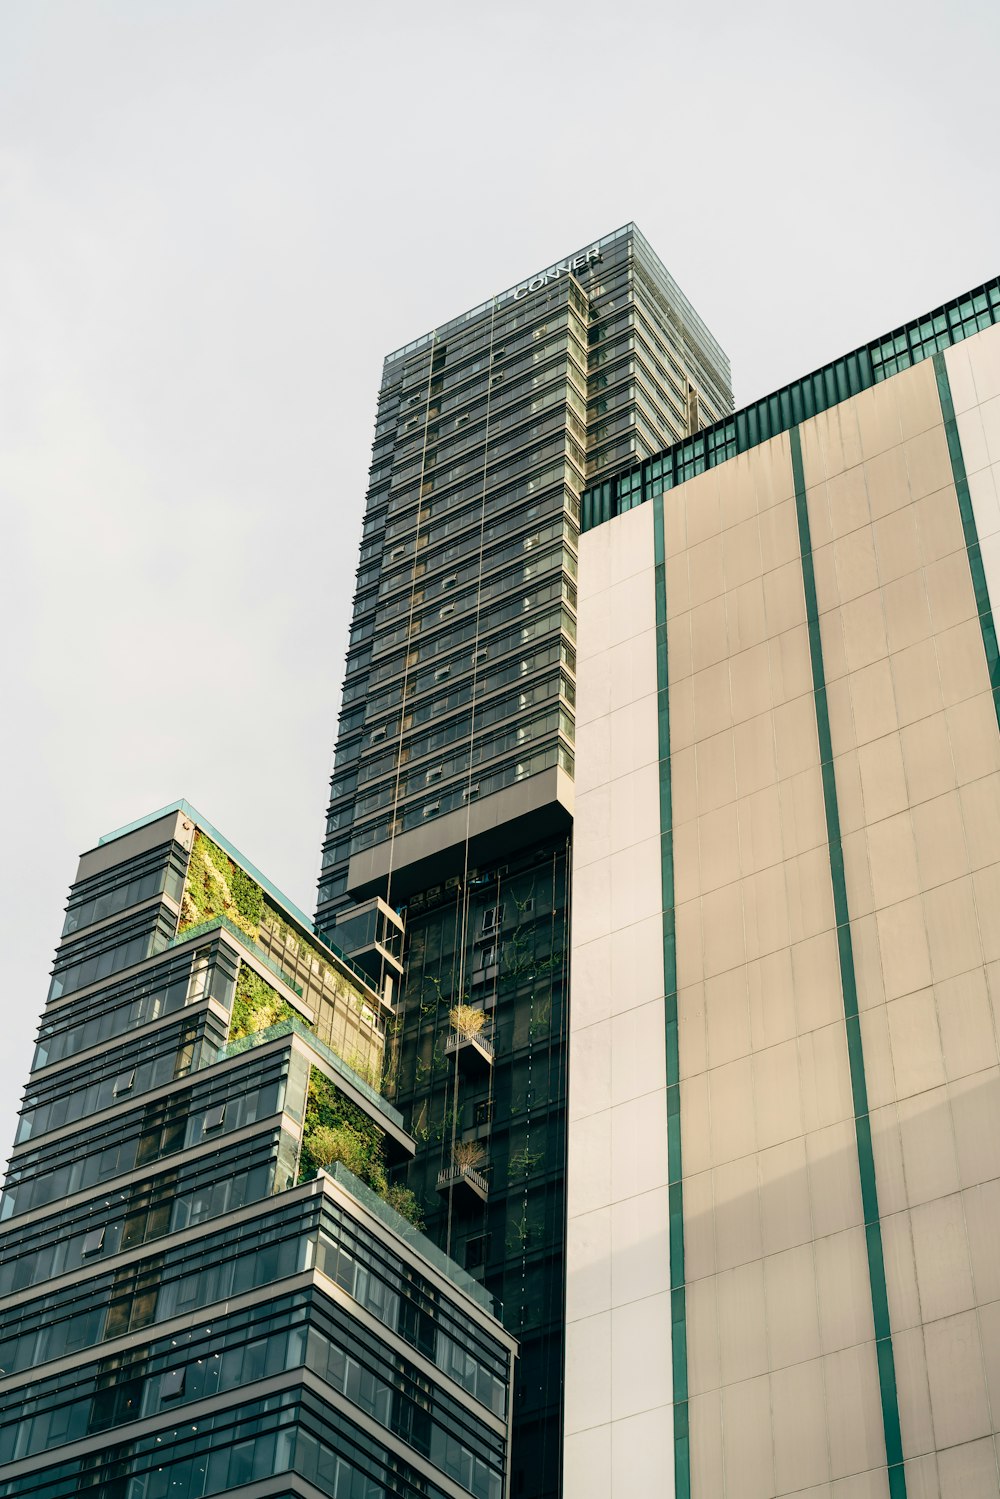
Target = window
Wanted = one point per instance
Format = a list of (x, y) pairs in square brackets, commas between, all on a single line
[(483, 1113), (172, 1384), (492, 918), (477, 1251), (93, 1241), (124, 1083), (214, 1117)]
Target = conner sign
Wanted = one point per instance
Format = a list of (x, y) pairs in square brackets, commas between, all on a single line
[(568, 267)]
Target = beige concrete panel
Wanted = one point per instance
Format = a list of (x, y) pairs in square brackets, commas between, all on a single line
[(792, 1307), (816, 975), (587, 1463), (989, 1331), (953, 928), (798, 1419), (927, 1136), (634, 807), (724, 943), (969, 1471), (719, 846), (588, 1373), (678, 585), (927, 760), (848, 498), (588, 1265), (917, 399), (632, 602), (727, 1016), (878, 419), (592, 826), (779, 536), (705, 574), (939, 524), (732, 1128), (637, 964), (868, 962), (593, 689), (939, 832), (928, 464), (949, 592), (883, 778), (918, 1061), (790, 664), (887, 482), (961, 661), (916, 683), (637, 1052), (591, 994), (632, 669), (639, 1145), (742, 557), (825, 1077), (784, 600), (746, 619), (754, 754), (778, 1107), (786, 1218), (633, 736), (712, 701), (702, 508), (959, 1405), (892, 856), (982, 1224), (716, 770), (640, 1248), (737, 497), (907, 611), (922, 1477), (705, 1424), (913, 1390), (704, 1357), (975, 744), (854, 556), (742, 1322), (750, 683), (709, 633), (772, 998), (897, 544), (691, 1030), (944, 1270), (834, 1184), (845, 1306), (865, 639), (593, 754), (629, 544), (886, 1144), (900, 1270), (854, 1408), (684, 783), (699, 1226), (975, 1109), (903, 944), (746, 1434), (588, 1179), (737, 1213), (590, 1069), (880, 1079), (641, 1453), (696, 1125), (640, 1356)]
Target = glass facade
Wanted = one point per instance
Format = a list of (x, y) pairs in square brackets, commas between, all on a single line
[(187, 1305)]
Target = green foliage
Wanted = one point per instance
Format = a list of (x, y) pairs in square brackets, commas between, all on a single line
[(337, 1130), (523, 1162), (406, 1204), (257, 1006), (215, 886)]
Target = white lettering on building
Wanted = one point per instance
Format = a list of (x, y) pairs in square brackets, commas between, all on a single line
[(568, 267)]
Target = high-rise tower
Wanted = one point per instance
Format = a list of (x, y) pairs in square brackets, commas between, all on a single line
[(452, 794)]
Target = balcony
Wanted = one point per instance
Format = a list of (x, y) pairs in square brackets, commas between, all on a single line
[(465, 1181), (473, 1052)]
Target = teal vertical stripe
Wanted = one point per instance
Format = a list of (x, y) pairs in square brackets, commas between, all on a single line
[(983, 607), (678, 1304), (849, 987)]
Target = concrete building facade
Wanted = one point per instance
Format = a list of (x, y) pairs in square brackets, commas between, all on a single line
[(784, 1085)]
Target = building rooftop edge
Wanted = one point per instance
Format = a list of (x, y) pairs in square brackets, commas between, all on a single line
[(813, 393), (630, 228)]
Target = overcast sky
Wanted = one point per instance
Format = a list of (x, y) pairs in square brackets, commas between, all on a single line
[(217, 217)]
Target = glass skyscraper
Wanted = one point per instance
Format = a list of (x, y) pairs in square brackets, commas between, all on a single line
[(452, 794)]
